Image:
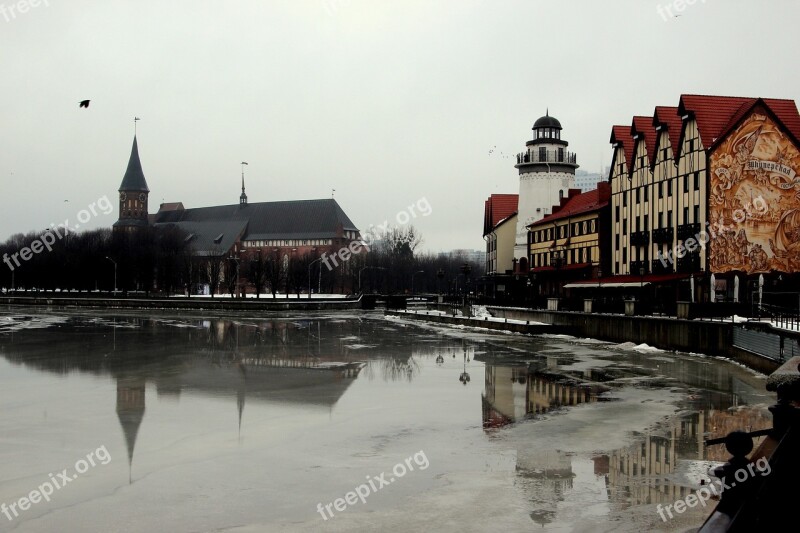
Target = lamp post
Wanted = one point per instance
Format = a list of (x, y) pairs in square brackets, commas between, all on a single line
[(309, 275), (558, 262), (465, 269), (362, 270), (412, 280), (115, 273)]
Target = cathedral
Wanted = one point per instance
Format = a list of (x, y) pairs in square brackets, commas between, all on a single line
[(289, 229)]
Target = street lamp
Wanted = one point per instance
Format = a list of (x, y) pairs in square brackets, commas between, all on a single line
[(558, 262), (465, 269), (115, 273), (309, 275), (362, 270), (412, 280)]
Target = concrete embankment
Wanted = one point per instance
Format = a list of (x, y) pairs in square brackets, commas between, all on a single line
[(694, 336), (202, 304), (513, 325)]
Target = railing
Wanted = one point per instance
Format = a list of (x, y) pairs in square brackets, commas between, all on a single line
[(689, 262), (550, 156), (662, 267), (661, 235), (687, 231), (640, 238)]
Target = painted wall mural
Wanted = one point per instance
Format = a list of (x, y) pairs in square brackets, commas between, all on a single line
[(754, 201)]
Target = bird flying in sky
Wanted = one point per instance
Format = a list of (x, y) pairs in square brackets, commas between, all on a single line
[(84, 103)]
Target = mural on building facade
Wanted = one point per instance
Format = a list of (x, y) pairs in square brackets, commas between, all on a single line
[(754, 201)]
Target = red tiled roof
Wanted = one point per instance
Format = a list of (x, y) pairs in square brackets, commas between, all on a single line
[(667, 117), (577, 204), (715, 115), (497, 208), (644, 127), (784, 110), (622, 135)]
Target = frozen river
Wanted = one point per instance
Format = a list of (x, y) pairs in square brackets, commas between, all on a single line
[(350, 422)]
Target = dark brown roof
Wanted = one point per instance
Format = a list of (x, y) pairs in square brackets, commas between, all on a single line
[(298, 219), (134, 176)]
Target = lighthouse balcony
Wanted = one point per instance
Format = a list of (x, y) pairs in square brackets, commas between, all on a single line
[(547, 156)]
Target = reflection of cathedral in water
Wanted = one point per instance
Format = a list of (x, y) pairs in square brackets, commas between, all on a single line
[(267, 361)]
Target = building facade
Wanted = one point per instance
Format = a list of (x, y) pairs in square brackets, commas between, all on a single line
[(707, 190), (572, 243)]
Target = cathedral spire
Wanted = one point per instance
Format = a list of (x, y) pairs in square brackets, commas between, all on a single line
[(243, 197)]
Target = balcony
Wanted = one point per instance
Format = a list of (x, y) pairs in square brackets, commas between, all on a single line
[(662, 267), (637, 266), (687, 231), (689, 263), (547, 156), (662, 235), (640, 238)]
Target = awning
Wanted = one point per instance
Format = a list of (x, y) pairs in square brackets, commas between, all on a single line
[(627, 281), (595, 285)]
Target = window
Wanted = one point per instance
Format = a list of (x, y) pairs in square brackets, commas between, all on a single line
[(697, 181), (661, 220), (685, 215), (691, 145), (661, 190), (669, 219), (625, 199), (542, 153), (616, 214), (646, 194), (625, 226), (697, 214), (637, 224), (616, 241), (647, 222), (686, 183), (637, 195), (624, 255), (669, 187)]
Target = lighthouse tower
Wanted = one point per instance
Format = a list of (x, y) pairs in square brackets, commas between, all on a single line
[(546, 173)]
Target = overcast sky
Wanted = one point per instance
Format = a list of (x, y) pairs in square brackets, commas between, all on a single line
[(386, 102)]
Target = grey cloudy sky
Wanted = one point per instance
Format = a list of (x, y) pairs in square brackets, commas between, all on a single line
[(386, 102)]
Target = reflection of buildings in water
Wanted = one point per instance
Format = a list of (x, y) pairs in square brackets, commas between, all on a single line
[(636, 474), (512, 392), (547, 475)]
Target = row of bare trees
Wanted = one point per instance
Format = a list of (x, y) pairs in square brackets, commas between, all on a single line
[(161, 261)]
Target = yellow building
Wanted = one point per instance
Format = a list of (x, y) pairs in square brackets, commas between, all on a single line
[(570, 244)]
